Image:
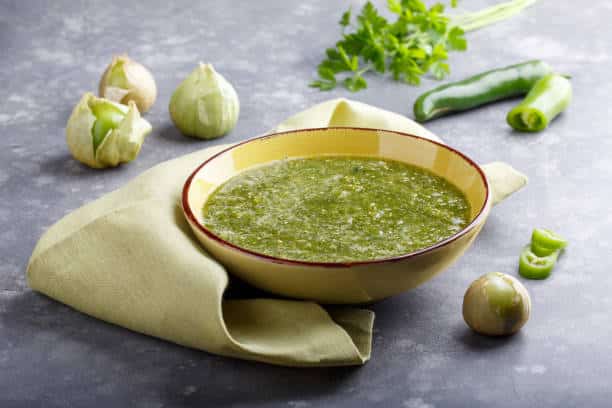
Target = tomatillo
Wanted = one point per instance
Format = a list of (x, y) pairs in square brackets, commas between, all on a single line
[(496, 304), (126, 80), (108, 116)]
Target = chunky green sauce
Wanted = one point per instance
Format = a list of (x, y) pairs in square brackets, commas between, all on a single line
[(336, 209)]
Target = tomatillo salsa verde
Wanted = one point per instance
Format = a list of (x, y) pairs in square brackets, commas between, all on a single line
[(336, 209)]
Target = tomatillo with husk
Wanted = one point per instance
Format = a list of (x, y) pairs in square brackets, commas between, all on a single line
[(101, 133), (496, 304), (205, 105), (126, 80)]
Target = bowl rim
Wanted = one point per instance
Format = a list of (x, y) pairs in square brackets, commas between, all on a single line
[(278, 260)]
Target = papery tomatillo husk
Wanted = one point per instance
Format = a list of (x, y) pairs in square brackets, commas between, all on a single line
[(126, 80), (205, 105), (118, 139)]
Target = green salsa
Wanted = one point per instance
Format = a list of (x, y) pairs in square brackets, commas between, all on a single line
[(336, 209)]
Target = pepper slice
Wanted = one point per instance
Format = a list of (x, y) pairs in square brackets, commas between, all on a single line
[(540, 250), (532, 266), (547, 99), (548, 239)]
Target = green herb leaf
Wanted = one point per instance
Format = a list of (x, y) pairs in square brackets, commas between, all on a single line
[(345, 20), (332, 53), (415, 44), (394, 6), (439, 52), (355, 83), (323, 85), (327, 73), (440, 69), (416, 53), (456, 39), (370, 15), (415, 5), (437, 8)]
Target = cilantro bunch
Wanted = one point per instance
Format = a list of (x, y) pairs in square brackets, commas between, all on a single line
[(415, 44)]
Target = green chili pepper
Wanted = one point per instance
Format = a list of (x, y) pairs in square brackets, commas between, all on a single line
[(480, 89), (544, 242), (548, 98), (532, 266)]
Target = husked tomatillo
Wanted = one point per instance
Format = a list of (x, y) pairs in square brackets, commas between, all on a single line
[(496, 304)]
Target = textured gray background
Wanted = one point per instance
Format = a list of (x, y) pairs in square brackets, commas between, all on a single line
[(424, 356)]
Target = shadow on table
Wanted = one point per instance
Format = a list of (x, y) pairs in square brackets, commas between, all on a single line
[(169, 132), (64, 165), (58, 351), (477, 342)]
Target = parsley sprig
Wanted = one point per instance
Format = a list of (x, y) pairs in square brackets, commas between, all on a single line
[(415, 44)]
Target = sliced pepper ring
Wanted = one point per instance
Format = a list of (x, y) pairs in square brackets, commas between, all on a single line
[(532, 266), (546, 240), (540, 250)]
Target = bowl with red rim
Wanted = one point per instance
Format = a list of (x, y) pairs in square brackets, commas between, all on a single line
[(356, 282)]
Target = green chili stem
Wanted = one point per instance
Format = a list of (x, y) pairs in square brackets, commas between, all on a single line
[(476, 20)]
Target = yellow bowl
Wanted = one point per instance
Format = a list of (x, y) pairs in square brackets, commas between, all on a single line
[(335, 282)]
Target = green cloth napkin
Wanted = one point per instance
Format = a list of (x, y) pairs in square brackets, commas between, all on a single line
[(129, 258)]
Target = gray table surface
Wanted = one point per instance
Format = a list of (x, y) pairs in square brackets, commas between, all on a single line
[(423, 354)]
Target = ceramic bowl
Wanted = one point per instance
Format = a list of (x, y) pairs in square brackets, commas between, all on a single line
[(338, 282)]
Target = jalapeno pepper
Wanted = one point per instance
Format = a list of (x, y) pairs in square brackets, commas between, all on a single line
[(532, 266), (547, 99), (480, 89), (544, 242)]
